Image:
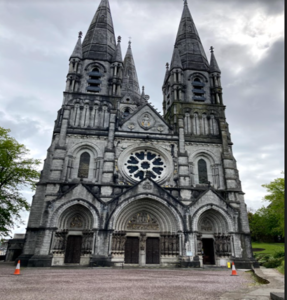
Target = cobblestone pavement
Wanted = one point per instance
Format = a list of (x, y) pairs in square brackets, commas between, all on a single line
[(118, 284)]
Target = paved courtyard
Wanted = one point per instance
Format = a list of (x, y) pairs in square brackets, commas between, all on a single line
[(118, 284)]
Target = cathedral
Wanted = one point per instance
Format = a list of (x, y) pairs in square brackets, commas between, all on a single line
[(123, 185)]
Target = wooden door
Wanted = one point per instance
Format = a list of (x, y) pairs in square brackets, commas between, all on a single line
[(208, 251), (73, 249), (152, 251), (132, 250)]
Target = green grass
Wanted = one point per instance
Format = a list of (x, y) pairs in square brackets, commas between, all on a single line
[(270, 248)]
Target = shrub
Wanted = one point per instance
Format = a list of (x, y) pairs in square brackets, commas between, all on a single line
[(279, 254), (273, 263)]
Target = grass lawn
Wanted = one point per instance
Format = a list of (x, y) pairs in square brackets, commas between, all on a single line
[(268, 247)]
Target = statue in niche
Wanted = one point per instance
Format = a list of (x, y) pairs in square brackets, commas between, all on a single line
[(77, 222)]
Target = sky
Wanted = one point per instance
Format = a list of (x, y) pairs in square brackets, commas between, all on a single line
[(37, 38)]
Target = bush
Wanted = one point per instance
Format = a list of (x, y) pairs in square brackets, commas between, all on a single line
[(279, 254), (273, 263)]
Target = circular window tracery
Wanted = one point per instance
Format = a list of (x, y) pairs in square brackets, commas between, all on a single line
[(145, 163)]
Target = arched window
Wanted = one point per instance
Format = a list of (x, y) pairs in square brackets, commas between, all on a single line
[(84, 165), (94, 81), (202, 171), (126, 112), (198, 90)]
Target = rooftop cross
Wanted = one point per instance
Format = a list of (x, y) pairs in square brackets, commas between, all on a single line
[(211, 49), (80, 34)]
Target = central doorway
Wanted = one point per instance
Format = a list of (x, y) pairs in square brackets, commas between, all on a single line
[(132, 250), (152, 251), (73, 249), (208, 251)]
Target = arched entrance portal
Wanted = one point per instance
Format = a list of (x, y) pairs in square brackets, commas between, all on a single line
[(72, 242), (146, 232), (213, 240)]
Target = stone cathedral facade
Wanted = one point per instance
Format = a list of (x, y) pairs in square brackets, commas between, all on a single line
[(121, 183)]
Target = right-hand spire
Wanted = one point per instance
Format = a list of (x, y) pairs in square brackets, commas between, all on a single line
[(189, 44)]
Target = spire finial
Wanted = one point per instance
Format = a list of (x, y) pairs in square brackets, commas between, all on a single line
[(80, 34), (119, 39), (185, 2), (130, 42), (143, 89), (211, 49), (167, 66)]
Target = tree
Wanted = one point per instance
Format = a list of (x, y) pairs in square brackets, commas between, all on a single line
[(268, 222), (276, 197), (17, 171)]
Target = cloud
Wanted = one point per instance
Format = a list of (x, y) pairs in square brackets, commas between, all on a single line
[(38, 36)]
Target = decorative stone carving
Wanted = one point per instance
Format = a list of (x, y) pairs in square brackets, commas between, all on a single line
[(206, 226), (77, 222), (143, 221), (147, 186), (169, 244), (146, 121), (222, 245), (118, 243), (131, 126)]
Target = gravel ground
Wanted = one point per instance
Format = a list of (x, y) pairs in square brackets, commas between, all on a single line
[(118, 284)]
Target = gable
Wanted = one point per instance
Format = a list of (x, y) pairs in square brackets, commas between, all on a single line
[(145, 120)]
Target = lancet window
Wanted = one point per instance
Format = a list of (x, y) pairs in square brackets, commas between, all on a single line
[(198, 90), (94, 81), (202, 171), (84, 165)]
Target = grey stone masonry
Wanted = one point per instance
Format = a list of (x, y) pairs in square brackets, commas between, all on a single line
[(123, 184)]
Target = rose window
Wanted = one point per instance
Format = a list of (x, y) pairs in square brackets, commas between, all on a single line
[(145, 163)]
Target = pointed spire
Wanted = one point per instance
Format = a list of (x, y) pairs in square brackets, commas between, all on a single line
[(189, 44), (130, 78), (176, 60), (166, 73), (213, 63), (118, 53), (100, 42), (77, 53)]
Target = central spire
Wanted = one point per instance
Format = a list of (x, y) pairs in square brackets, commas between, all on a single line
[(130, 78), (100, 42), (189, 44)]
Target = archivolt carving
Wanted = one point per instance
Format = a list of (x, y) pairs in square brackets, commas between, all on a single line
[(212, 218), (164, 215)]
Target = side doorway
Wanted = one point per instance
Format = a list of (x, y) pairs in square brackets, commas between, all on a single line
[(208, 251), (73, 249)]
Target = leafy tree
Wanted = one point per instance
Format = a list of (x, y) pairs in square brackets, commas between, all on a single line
[(268, 222), (17, 171), (276, 197)]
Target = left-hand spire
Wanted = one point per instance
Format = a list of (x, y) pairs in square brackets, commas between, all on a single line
[(100, 42)]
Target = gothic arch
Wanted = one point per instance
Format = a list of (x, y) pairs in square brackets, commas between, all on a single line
[(58, 213), (76, 216), (167, 216), (92, 65), (220, 218), (197, 74)]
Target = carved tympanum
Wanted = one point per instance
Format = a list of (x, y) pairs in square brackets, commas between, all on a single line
[(77, 222), (143, 221)]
